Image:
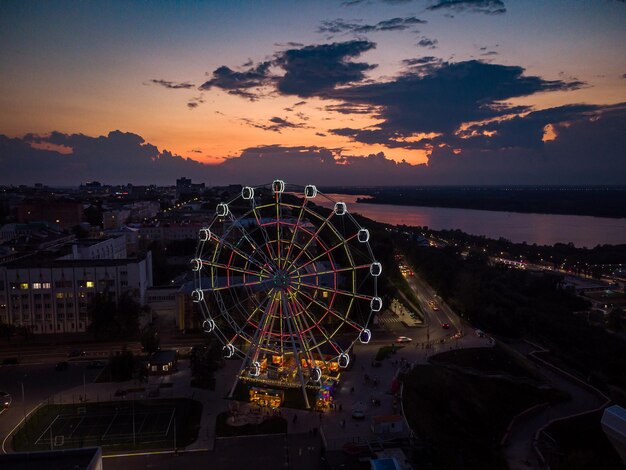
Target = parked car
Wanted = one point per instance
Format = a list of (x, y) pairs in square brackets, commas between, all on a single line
[(63, 365), (5, 399), (358, 413), (403, 339), (77, 353), (445, 326)]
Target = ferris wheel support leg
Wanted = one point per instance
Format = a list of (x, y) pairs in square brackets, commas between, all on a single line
[(295, 351)]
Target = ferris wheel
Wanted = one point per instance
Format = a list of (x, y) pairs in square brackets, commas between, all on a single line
[(287, 285)]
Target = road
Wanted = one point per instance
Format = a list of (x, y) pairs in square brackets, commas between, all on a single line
[(431, 331), (33, 353)]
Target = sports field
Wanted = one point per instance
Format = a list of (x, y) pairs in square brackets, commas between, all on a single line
[(116, 425)]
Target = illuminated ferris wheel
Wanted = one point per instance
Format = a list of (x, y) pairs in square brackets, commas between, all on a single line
[(285, 284)]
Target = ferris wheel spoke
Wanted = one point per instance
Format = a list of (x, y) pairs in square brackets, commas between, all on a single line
[(235, 268), (295, 353), (232, 286), (325, 253), (335, 291), (248, 237), (237, 251), (266, 236), (303, 343), (333, 271), (265, 306), (313, 237), (295, 229), (333, 312), (318, 326)]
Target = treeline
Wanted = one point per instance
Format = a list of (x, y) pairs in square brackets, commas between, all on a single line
[(517, 303), (599, 202)]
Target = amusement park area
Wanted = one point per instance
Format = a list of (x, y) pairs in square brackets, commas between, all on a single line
[(289, 288)]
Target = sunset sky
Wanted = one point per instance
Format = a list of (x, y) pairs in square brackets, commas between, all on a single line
[(423, 91)]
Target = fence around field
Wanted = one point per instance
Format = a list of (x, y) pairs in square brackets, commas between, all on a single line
[(114, 426)]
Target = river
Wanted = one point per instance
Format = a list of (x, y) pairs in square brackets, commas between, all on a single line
[(542, 229)]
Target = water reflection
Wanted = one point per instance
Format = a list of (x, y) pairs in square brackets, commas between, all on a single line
[(542, 229)]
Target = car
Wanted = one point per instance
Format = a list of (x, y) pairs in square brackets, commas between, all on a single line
[(445, 326), (76, 353), (63, 365), (358, 413), (5, 399), (95, 364), (403, 339)]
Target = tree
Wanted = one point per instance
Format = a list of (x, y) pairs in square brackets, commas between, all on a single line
[(615, 320), (7, 330), (205, 360), (122, 366), (111, 321), (150, 339)]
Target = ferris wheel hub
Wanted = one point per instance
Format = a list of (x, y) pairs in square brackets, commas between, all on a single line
[(282, 279)]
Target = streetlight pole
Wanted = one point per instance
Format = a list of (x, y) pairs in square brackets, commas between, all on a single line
[(23, 402)]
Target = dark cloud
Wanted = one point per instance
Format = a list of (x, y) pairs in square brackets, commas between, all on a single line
[(243, 83), (119, 157), (421, 61), (490, 7), (588, 148), (194, 102), (525, 131), (289, 44), (348, 108), (275, 124), (299, 103), (624, 75), (440, 96), (173, 85), (315, 69), (394, 24), (427, 42), (489, 53), (308, 71)]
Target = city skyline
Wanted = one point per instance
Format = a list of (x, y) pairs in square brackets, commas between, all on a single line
[(357, 92)]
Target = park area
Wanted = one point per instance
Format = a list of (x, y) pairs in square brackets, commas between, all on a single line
[(113, 425), (464, 400)]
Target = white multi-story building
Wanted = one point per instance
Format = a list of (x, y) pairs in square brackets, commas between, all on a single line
[(51, 296), (104, 248), (166, 232)]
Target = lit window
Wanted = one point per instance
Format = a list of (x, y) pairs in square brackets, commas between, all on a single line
[(36, 285), (45, 285), (60, 295), (89, 284), (24, 285)]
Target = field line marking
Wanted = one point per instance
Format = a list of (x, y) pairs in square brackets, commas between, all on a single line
[(109, 426), (76, 427), (158, 452), (143, 421), (170, 423), (47, 429)]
